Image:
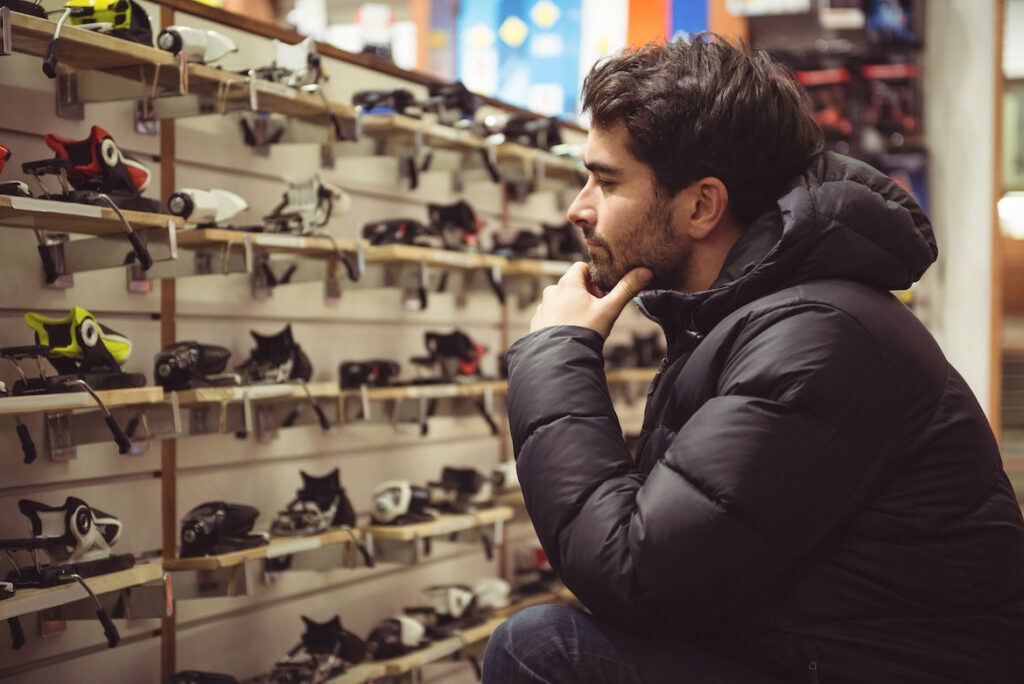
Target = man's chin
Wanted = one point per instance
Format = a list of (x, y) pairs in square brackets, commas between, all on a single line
[(601, 279)]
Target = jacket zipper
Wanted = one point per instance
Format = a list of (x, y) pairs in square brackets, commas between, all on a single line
[(657, 377), (812, 672)]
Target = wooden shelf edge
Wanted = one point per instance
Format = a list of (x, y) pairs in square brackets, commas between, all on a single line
[(85, 219), (69, 401), (446, 523), (278, 546), (33, 600)]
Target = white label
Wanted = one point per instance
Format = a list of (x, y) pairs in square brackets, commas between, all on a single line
[(453, 526), (267, 392), (454, 258), (554, 268), (275, 89), (55, 207), (430, 391), (445, 132), (292, 241), (275, 550)]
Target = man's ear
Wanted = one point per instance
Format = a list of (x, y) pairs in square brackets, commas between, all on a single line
[(706, 205)]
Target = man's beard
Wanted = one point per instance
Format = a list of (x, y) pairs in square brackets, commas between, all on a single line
[(649, 242)]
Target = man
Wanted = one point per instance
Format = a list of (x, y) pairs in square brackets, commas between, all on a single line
[(817, 495)]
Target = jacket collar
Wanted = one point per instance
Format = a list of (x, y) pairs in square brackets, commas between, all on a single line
[(839, 219)]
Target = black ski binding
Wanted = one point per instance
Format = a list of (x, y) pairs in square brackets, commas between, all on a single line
[(187, 365), (218, 527), (325, 651), (376, 373)]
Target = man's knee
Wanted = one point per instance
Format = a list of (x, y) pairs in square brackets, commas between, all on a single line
[(533, 627), (529, 642)]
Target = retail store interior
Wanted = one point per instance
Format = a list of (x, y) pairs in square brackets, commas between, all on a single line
[(305, 234)]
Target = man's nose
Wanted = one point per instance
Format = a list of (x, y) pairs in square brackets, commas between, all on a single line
[(582, 211)]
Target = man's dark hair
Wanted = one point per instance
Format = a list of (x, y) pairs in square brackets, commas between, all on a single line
[(706, 108)]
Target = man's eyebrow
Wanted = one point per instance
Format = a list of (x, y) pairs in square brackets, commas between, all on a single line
[(598, 167)]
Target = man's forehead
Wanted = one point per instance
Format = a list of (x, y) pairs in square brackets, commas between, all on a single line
[(607, 150)]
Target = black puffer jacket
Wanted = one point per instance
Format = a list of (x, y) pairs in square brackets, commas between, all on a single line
[(817, 484)]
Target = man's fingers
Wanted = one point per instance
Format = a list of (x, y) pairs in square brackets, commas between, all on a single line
[(577, 273), (630, 286)]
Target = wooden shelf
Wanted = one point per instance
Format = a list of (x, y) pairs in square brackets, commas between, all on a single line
[(68, 401), (397, 392), (515, 498), (446, 523), (553, 165), (279, 391), (405, 129), (278, 546), (310, 246), (535, 267), (282, 546), (70, 217), (432, 257), (272, 97), (32, 600), (84, 49)]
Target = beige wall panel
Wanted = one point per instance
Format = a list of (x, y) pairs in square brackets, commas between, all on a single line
[(129, 663), (231, 297), (93, 460), (351, 438), (22, 285)]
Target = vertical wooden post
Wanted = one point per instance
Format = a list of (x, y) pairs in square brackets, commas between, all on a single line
[(504, 342), (168, 447), (995, 401)]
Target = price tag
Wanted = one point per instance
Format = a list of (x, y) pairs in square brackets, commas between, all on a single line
[(432, 391), (54, 207), (554, 268), (290, 241), (446, 256), (308, 544)]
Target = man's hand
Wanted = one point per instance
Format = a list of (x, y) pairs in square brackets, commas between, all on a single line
[(575, 301)]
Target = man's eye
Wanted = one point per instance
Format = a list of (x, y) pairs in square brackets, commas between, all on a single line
[(605, 183)]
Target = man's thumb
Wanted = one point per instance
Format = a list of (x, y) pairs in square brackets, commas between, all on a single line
[(630, 286)]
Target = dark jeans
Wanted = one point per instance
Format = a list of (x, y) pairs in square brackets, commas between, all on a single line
[(560, 645)]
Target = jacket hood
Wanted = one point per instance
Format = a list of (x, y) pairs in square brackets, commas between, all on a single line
[(840, 218)]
